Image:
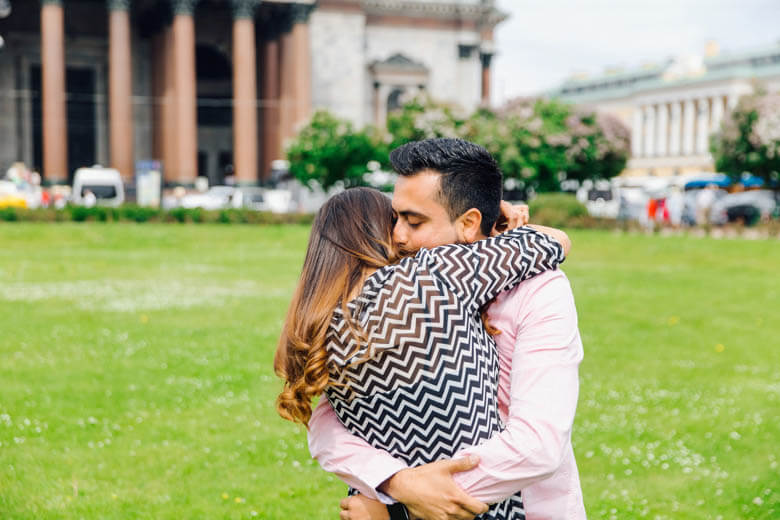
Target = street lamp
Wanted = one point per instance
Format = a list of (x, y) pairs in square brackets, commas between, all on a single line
[(5, 8)]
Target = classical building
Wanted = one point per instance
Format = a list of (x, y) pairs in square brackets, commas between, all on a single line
[(215, 87), (371, 54), (673, 108)]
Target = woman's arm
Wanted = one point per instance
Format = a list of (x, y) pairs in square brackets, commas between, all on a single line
[(476, 273), (516, 215), (557, 234)]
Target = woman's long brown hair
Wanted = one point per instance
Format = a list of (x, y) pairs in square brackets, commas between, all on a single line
[(351, 235)]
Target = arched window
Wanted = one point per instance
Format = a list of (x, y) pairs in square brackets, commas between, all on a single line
[(395, 99)]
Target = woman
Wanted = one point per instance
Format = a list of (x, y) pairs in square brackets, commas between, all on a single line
[(398, 347)]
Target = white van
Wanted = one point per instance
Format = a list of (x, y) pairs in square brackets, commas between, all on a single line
[(600, 197), (104, 183)]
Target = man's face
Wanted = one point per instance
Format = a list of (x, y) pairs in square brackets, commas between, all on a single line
[(422, 221)]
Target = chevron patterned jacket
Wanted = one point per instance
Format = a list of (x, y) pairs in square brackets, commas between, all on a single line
[(423, 382)]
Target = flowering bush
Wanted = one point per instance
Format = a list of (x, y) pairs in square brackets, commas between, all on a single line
[(329, 150), (749, 139), (423, 118), (537, 143)]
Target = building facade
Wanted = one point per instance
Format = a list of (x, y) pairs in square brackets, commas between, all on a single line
[(673, 109), (216, 87), (369, 55)]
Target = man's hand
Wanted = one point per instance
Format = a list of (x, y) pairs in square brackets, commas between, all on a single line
[(358, 507), (430, 493), (510, 217)]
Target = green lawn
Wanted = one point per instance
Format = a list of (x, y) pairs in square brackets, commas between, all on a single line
[(136, 379)]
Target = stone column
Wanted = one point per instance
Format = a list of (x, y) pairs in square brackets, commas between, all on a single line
[(55, 123), (702, 125), (636, 133), (485, 58), (674, 129), (184, 80), (649, 132), (286, 81), (244, 92), (301, 48), (688, 128), (120, 88), (662, 130), (717, 114), (731, 101), (271, 128), (164, 91)]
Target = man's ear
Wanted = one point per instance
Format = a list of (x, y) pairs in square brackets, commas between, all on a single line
[(468, 226)]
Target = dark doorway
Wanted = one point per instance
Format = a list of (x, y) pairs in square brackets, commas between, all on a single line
[(215, 111), (81, 114)]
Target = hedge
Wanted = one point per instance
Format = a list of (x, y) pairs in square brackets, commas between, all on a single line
[(140, 214)]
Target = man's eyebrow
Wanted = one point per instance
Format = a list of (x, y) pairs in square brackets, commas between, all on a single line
[(408, 214)]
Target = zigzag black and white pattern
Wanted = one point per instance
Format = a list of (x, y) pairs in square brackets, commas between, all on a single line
[(423, 382)]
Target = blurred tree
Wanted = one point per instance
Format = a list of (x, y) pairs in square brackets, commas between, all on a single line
[(538, 143), (329, 150), (749, 138), (423, 118), (599, 148)]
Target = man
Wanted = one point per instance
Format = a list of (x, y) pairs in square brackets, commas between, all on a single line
[(438, 201)]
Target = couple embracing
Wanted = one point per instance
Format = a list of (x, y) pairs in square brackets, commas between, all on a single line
[(444, 341)]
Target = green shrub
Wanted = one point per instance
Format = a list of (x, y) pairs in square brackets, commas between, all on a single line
[(139, 213), (558, 210), (79, 213), (8, 214), (224, 216), (179, 214), (129, 213)]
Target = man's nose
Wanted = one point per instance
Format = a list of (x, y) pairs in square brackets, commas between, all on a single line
[(399, 236)]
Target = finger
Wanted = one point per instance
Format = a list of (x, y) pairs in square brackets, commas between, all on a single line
[(505, 208), (462, 464), (473, 506), (513, 220), (525, 214)]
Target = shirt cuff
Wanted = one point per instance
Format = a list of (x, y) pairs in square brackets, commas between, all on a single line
[(374, 481)]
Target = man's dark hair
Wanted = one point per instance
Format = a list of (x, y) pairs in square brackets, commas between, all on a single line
[(470, 177)]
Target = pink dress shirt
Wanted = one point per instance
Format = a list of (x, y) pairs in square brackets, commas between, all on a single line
[(539, 351)]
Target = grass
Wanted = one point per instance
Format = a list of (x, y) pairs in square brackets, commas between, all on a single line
[(136, 380)]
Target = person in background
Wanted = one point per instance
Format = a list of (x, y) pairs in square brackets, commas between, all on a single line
[(675, 204)]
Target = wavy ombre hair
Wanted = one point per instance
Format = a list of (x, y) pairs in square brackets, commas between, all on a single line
[(351, 236)]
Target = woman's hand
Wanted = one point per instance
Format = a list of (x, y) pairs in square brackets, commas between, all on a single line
[(358, 507), (511, 216), (514, 216)]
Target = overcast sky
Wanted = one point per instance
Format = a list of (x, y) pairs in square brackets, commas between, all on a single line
[(545, 41)]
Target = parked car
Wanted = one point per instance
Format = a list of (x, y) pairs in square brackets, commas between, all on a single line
[(105, 184), (601, 198), (216, 197), (10, 196), (279, 201), (746, 206), (250, 197)]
